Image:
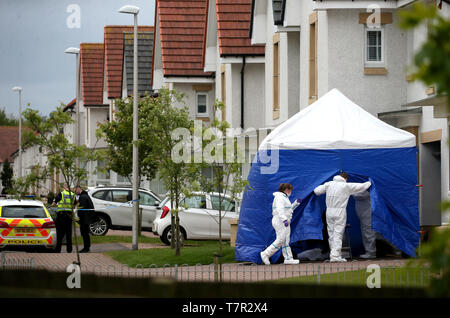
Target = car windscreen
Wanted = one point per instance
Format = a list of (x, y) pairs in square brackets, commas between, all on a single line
[(20, 211)]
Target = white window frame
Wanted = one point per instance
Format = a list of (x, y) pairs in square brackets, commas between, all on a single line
[(205, 114), (368, 63)]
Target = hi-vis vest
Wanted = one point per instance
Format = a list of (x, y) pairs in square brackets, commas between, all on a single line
[(65, 204)]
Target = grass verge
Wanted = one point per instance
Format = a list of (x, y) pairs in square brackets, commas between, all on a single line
[(118, 239), (193, 253)]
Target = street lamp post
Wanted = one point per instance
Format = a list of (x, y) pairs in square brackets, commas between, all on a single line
[(76, 51), (134, 245), (19, 89)]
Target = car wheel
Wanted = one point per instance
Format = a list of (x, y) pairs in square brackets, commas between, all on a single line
[(166, 237), (100, 227)]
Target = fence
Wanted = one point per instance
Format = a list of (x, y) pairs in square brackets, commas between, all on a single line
[(318, 273), (7, 263)]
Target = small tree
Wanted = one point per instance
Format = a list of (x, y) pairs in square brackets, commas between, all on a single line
[(118, 133), (222, 154), (6, 176), (161, 123), (63, 156)]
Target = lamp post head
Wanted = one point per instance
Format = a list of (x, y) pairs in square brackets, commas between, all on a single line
[(72, 50), (17, 88), (129, 9)]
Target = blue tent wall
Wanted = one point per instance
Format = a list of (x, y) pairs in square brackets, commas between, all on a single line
[(394, 196)]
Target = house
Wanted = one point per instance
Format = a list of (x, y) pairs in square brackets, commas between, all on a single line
[(107, 75), (93, 109), (315, 46), (180, 29), (238, 65), (33, 158)]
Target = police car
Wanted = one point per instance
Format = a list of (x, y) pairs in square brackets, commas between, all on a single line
[(26, 223)]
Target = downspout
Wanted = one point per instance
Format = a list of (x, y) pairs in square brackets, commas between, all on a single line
[(242, 92)]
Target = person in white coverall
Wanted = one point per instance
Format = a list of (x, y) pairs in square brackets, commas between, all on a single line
[(338, 192), (282, 210), (364, 212)]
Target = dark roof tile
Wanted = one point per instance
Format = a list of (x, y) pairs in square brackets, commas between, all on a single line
[(92, 68), (233, 25), (182, 33)]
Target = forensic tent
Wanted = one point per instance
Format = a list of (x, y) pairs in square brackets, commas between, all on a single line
[(332, 135)]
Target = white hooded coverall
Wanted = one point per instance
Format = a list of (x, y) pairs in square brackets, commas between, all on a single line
[(282, 209), (364, 212), (338, 192)]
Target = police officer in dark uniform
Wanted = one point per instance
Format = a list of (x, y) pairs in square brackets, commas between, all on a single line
[(64, 201), (86, 215)]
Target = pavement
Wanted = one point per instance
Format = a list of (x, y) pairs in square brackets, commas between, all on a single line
[(100, 264)]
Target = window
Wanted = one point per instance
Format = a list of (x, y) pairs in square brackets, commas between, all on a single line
[(102, 195), (312, 57), (224, 91), (23, 212), (202, 104), (102, 173), (121, 196), (276, 76), (374, 46), (196, 202), (146, 199), (227, 205)]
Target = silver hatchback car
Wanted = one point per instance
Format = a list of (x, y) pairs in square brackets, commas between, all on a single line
[(113, 207)]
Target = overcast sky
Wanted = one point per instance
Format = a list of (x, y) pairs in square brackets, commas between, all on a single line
[(34, 37)]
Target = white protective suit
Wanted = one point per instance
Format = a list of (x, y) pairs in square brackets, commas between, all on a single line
[(282, 210), (338, 192), (364, 212)]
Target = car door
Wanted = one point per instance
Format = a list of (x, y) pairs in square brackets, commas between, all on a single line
[(147, 203), (194, 219), (101, 200), (120, 209), (228, 212)]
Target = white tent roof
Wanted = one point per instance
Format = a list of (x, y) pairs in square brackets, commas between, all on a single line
[(335, 122)]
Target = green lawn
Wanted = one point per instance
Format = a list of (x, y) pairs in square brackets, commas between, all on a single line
[(193, 253), (392, 277), (119, 239)]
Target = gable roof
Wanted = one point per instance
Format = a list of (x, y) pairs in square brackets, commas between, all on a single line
[(145, 56), (113, 38), (233, 27), (9, 139), (92, 67), (182, 27)]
